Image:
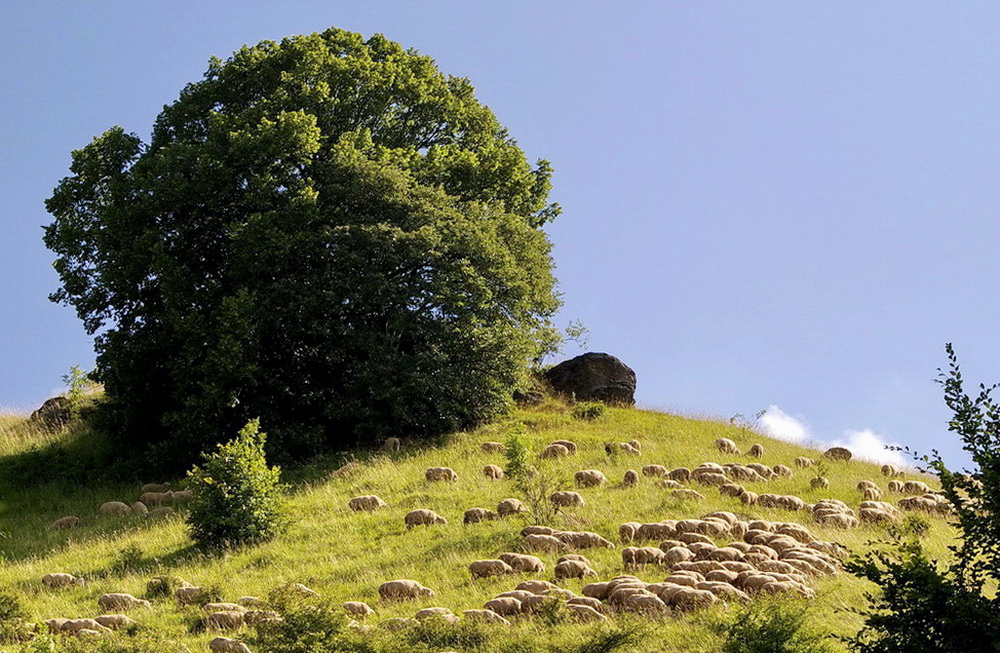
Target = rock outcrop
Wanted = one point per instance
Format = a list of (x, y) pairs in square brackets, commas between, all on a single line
[(594, 377)]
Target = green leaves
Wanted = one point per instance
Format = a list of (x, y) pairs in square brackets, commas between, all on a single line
[(325, 232)]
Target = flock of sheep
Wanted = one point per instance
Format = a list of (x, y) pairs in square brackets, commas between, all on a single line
[(155, 500), (759, 557)]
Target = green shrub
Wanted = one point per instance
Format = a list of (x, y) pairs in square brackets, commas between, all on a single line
[(236, 497), (308, 626), (588, 410), (12, 618), (130, 560), (160, 587), (776, 626)]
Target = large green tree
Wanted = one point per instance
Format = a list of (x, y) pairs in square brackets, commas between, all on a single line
[(327, 233)]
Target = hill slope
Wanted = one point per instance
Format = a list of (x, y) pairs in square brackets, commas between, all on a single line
[(346, 555)]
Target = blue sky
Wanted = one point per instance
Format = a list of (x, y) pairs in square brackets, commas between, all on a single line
[(781, 205)]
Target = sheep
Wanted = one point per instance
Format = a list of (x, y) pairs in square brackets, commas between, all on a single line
[(510, 507), (654, 470), (139, 508), (484, 616), (74, 626), (680, 474), (585, 613), (819, 482), (258, 618), (871, 494), (621, 447), (187, 594), (731, 490), (487, 568), (113, 508), (589, 478), (120, 601), (749, 498), (162, 511), (535, 586), (891, 471), (423, 517), (743, 473), (366, 503), (555, 451), (358, 609), (227, 645), (896, 486), (837, 453), (631, 478), (712, 478), (757, 451), (687, 495), (569, 444), (391, 444), (573, 569), (764, 471), (492, 447), (155, 487), (225, 620), (782, 471), (476, 515), (55, 624), (567, 500), (493, 472), (521, 562), (64, 523), (61, 580), (403, 589), (543, 543), (725, 445), (440, 474), (535, 529), (628, 530), (669, 484), (156, 498), (181, 496), (803, 462), (915, 487), (220, 607), (504, 606), (584, 540)]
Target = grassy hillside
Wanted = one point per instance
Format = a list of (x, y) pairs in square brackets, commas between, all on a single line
[(346, 555)]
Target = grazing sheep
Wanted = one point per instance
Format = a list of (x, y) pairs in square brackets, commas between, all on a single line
[(896, 486), (628, 530), (871, 494), (757, 451), (725, 445), (535, 586), (510, 507), (391, 444), (259, 618), (569, 444), (589, 478), (631, 478), (162, 511), (476, 515), (61, 580), (187, 594), (635, 445), (764, 471), (819, 482), (535, 529), (492, 447), (654, 470), (484, 616), (139, 508), (669, 484), (429, 613), (804, 462), (440, 474), (543, 543), (687, 495), (225, 620), (402, 590), (522, 563), (423, 517), (220, 607), (504, 606), (64, 523), (782, 471), (227, 645), (584, 540), (114, 621), (567, 500), (891, 471), (358, 609), (712, 478), (114, 508), (585, 613), (74, 626), (487, 568), (120, 602), (621, 447), (731, 490), (680, 474), (155, 487), (366, 503), (573, 569), (156, 498), (916, 487), (493, 472), (181, 496), (555, 451), (837, 453)]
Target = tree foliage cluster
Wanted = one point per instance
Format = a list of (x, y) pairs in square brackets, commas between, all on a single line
[(923, 605), (324, 232)]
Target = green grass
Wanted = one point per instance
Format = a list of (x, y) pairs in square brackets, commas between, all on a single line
[(345, 555)]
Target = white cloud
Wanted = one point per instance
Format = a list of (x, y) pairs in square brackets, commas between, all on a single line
[(871, 446), (779, 424)]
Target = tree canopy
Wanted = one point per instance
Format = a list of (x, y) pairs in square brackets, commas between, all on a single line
[(327, 233)]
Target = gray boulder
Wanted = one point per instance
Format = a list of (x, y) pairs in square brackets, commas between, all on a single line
[(594, 377)]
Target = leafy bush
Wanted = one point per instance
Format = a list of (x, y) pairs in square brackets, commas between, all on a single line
[(588, 410), (13, 627), (160, 587), (770, 626), (308, 626), (236, 498), (534, 483), (130, 560)]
